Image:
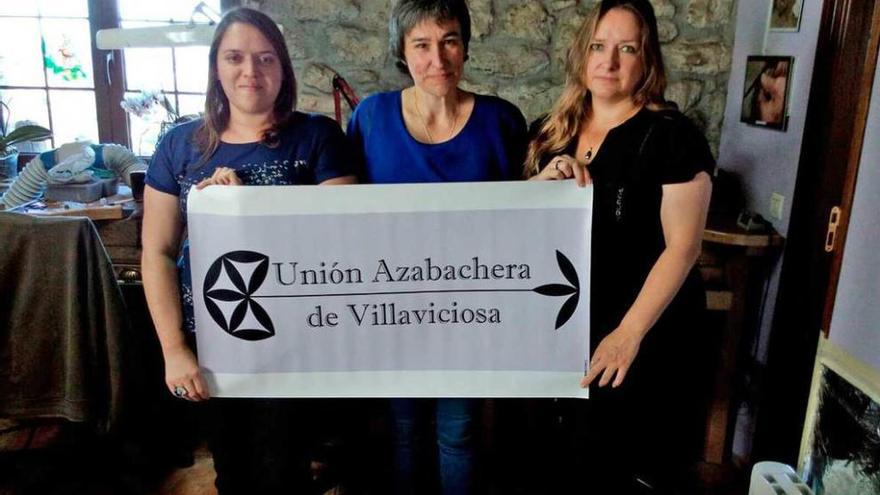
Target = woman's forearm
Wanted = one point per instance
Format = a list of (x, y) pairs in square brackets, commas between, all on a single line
[(663, 282), (163, 298), (683, 216)]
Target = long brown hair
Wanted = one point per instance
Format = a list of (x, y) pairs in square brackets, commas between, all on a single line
[(572, 107), (207, 136)]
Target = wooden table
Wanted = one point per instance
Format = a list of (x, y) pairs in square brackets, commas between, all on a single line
[(118, 221), (736, 265)]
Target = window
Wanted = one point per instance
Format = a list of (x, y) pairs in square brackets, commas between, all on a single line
[(180, 73), (46, 67), (53, 75)]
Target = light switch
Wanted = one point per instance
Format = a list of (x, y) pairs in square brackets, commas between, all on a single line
[(776, 202)]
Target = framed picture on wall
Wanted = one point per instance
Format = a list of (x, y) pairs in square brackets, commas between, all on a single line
[(765, 94), (840, 446), (785, 15)]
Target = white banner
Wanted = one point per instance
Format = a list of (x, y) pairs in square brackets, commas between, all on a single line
[(420, 290)]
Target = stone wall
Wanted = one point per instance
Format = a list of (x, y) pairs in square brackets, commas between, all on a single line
[(517, 50)]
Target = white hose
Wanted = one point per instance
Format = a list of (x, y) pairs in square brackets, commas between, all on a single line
[(28, 185), (122, 161)]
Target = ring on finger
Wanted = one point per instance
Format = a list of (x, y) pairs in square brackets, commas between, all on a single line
[(180, 391)]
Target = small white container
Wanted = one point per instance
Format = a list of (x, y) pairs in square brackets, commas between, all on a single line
[(776, 478)]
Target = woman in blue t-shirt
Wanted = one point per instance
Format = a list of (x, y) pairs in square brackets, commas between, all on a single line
[(250, 134), (435, 132)]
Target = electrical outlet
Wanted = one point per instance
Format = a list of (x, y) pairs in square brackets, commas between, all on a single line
[(776, 202)]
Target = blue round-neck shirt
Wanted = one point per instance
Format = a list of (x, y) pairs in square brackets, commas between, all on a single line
[(490, 146)]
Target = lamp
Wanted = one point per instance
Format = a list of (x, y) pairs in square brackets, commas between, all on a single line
[(189, 34)]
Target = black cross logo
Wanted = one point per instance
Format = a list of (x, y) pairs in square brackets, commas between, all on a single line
[(242, 294)]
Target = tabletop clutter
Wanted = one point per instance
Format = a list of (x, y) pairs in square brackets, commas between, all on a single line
[(77, 178)]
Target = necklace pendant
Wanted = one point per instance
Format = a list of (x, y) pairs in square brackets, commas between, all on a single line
[(588, 155)]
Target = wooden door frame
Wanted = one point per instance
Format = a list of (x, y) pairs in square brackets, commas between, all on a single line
[(846, 60), (854, 161), (107, 67)]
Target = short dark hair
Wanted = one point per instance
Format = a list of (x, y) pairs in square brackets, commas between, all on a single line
[(217, 104), (409, 13)]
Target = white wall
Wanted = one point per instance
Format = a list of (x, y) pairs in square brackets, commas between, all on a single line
[(767, 159), (855, 324)]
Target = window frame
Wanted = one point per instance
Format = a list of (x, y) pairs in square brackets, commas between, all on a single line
[(108, 67), (46, 85)]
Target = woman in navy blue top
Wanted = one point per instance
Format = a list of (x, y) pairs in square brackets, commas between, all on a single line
[(250, 134), (435, 132)]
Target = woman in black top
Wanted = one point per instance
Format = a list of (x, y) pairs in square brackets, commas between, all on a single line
[(650, 170)]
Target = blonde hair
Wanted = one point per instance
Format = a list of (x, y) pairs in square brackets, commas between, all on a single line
[(572, 107)]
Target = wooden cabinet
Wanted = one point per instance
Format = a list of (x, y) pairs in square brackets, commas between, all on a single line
[(122, 240)]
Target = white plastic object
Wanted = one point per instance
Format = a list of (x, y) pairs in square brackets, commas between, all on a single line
[(776, 478), (73, 169)]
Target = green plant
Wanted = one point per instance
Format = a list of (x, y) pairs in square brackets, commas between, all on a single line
[(21, 135)]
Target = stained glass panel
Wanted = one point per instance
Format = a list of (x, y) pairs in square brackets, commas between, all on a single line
[(74, 116), (192, 68), (149, 68), (27, 105), (191, 104), (21, 62), (60, 8), (16, 7), (68, 53)]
